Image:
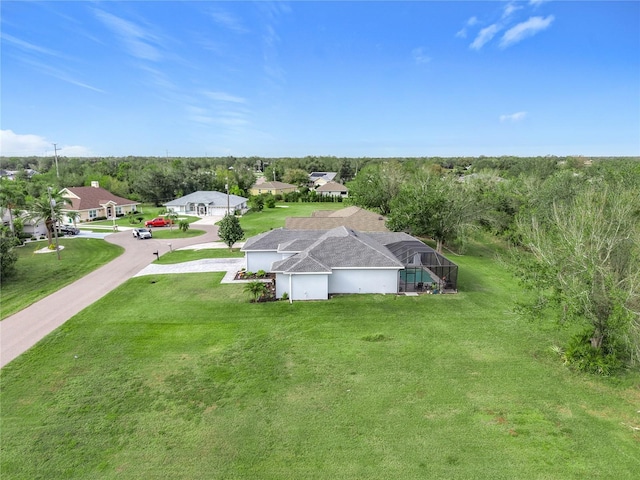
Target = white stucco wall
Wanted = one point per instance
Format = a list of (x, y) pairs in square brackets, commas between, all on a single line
[(261, 260), (303, 286), (363, 281)]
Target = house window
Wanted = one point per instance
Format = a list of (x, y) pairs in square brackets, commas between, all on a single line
[(93, 214), (118, 210)]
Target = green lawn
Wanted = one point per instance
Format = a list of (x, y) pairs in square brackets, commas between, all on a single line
[(39, 275), (178, 376), (256, 222)]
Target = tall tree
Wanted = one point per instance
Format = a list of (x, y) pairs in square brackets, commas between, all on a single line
[(434, 206), (12, 198), (587, 262), (376, 185)]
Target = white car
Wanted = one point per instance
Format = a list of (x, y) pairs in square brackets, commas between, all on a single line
[(142, 233)]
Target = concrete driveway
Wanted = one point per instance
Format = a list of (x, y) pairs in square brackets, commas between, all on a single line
[(21, 331)]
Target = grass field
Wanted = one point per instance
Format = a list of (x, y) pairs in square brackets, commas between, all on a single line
[(256, 222), (39, 275), (178, 376)]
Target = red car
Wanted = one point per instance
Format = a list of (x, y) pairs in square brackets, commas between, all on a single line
[(157, 222)]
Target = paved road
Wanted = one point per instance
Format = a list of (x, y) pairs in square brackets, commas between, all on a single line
[(21, 331)]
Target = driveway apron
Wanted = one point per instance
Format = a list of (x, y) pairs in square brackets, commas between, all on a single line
[(21, 331)]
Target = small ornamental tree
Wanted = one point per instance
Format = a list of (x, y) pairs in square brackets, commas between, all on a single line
[(183, 225), (229, 230)]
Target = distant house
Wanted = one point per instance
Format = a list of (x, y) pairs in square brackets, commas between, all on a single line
[(274, 188), (11, 174), (351, 217), (332, 189), (314, 264), (207, 203), (317, 179), (92, 202)]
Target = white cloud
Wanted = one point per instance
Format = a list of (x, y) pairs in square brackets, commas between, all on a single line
[(419, 56), (228, 21), (485, 35), (535, 3), (30, 46), (525, 29), (509, 9), (136, 39), (513, 117), (224, 97), (17, 145), (463, 32)]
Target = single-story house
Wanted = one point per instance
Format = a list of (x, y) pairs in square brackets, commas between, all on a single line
[(207, 203), (34, 228), (332, 189), (274, 188), (317, 179), (314, 264), (352, 217), (92, 202)]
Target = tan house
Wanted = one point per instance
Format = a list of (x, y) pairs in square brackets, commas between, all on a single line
[(274, 188), (332, 189), (355, 218), (92, 202)]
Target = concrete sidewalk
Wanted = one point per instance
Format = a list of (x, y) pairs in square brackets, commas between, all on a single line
[(228, 265)]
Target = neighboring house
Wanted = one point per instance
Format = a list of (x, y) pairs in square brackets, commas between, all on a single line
[(92, 202), (274, 188), (350, 217), (317, 179), (11, 174), (34, 228), (332, 189), (314, 264), (207, 203)]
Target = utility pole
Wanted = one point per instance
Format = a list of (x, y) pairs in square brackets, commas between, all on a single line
[(55, 151)]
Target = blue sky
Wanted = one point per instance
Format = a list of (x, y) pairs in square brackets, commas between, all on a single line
[(336, 78)]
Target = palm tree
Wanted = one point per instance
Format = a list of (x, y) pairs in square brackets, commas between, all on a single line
[(50, 211), (172, 216), (255, 289)]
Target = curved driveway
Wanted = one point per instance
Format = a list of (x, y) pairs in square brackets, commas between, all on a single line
[(21, 331)]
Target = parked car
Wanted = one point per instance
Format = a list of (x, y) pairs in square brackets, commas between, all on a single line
[(157, 222), (67, 230), (142, 233)]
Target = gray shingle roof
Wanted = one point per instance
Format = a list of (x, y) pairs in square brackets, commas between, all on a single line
[(273, 239), (321, 251)]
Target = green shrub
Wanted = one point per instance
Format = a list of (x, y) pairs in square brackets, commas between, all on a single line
[(581, 355), (261, 274)]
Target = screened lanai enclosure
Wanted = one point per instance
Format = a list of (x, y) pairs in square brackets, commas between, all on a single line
[(426, 270)]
